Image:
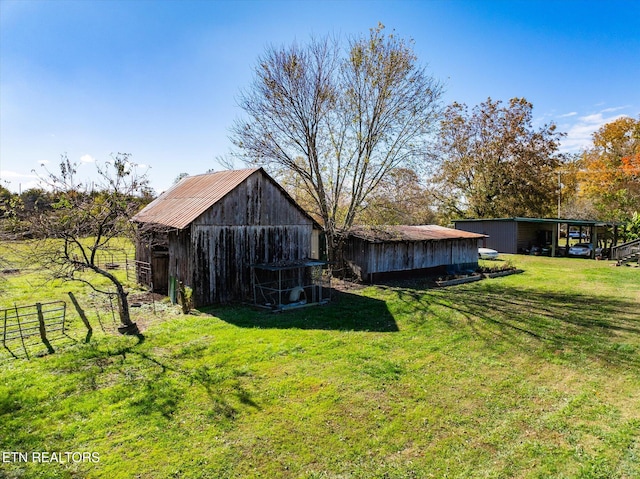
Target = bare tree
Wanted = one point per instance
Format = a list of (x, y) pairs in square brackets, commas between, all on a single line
[(86, 223), (339, 120)]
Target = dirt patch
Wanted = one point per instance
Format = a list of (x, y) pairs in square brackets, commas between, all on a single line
[(345, 285), (146, 298)]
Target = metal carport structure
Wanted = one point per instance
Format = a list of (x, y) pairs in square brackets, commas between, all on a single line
[(518, 234)]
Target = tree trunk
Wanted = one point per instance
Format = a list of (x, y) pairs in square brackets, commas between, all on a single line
[(123, 308), (127, 326), (335, 253)]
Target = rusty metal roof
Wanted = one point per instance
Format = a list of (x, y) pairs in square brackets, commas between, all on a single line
[(184, 202), (383, 234)]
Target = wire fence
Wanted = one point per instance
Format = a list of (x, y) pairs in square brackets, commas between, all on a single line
[(25, 329), (39, 320), (138, 272), (112, 260)]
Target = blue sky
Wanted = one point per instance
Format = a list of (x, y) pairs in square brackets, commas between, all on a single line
[(160, 79)]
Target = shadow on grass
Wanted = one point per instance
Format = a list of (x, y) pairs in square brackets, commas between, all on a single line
[(34, 346), (345, 312), (566, 323), (160, 383)]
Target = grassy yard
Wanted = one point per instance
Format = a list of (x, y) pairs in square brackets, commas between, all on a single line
[(534, 375)]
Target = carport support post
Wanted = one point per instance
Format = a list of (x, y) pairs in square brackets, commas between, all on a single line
[(554, 240), (594, 240)]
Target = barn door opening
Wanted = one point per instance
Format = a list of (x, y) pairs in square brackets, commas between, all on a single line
[(160, 270)]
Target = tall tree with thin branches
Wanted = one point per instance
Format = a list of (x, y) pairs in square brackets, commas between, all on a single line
[(339, 119)]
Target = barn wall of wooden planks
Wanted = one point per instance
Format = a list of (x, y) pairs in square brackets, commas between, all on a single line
[(376, 252), (255, 222), (377, 259)]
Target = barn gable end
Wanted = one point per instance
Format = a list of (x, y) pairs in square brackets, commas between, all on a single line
[(259, 201), (249, 219)]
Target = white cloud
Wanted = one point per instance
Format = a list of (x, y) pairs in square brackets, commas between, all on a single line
[(16, 181), (616, 108), (7, 174), (567, 115), (87, 159), (580, 131)]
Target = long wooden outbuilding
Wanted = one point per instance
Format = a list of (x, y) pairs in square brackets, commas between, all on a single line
[(383, 251)]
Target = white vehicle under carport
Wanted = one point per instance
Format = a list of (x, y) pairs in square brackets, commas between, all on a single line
[(581, 250), (487, 253)]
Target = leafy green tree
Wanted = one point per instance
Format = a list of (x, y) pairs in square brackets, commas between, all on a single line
[(5, 201), (12, 213), (632, 229), (36, 199), (339, 120), (494, 163), (6, 209)]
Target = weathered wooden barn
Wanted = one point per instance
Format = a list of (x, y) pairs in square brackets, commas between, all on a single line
[(208, 230), (378, 252)]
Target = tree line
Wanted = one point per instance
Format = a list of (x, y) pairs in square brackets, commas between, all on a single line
[(21, 213)]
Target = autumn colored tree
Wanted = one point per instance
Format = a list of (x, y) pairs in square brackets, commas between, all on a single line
[(494, 163), (631, 165), (610, 173), (338, 120), (399, 199), (570, 203)]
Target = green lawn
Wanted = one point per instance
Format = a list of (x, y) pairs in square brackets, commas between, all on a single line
[(530, 375)]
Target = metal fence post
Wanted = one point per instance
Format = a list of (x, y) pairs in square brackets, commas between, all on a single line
[(4, 331), (20, 330)]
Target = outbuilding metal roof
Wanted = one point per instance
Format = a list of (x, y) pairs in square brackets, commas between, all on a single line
[(184, 202), (567, 221), (410, 233), (572, 222)]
